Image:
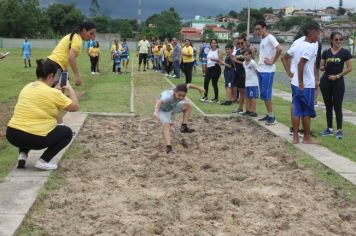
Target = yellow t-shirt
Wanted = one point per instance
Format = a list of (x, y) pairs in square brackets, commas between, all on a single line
[(165, 46), (94, 52), (113, 48), (188, 50), (37, 108), (60, 54), (168, 54), (156, 51)]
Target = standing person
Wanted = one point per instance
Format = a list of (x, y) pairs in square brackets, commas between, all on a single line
[(39, 105), (157, 56), (150, 57), (176, 57), (142, 52), (90, 44), (303, 82), (213, 71), (251, 67), (203, 55), (116, 56), (68, 49), (170, 103), (188, 60), (289, 61), (94, 53), (114, 47), (270, 50), (168, 52), (332, 84), (26, 52), (229, 75), (238, 59), (125, 55)]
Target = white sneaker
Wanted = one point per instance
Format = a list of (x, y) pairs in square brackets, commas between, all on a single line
[(97, 73), (92, 73), (21, 160), (42, 165), (173, 76)]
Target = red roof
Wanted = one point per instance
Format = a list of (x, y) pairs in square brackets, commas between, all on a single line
[(189, 30), (216, 28)]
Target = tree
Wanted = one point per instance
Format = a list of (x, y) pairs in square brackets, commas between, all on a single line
[(167, 23), (63, 18), (353, 17), (103, 24), (208, 34), (19, 18), (233, 14)]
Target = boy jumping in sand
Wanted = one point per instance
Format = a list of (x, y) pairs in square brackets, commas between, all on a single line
[(172, 102)]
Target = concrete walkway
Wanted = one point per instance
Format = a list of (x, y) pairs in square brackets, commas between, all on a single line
[(20, 188)]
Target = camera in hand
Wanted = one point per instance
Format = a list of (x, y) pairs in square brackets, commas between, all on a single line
[(63, 79)]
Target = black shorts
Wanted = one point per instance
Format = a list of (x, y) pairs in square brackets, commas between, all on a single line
[(240, 81), (142, 57)]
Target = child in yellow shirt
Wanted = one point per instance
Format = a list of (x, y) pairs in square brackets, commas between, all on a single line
[(94, 54)]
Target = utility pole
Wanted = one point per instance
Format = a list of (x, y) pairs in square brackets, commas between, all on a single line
[(248, 19), (139, 13)]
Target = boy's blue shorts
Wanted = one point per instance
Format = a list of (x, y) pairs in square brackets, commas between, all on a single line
[(303, 102), (265, 80)]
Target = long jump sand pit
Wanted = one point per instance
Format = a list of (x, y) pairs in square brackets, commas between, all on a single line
[(230, 177)]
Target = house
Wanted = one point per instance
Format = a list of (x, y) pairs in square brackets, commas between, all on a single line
[(287, 37), (221, 33), (270, 19), (346, 29), (298, 13), (288, 11), (201, 22), (227, 19), (326, 18), (191, 33)]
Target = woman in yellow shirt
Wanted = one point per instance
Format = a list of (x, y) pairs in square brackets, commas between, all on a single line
[(188, 61), (68, 49), (33, 125), (94, 54), (168, 59)]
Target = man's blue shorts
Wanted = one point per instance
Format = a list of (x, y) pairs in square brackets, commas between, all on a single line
[(303, 102), (265, 81), (252, 92)]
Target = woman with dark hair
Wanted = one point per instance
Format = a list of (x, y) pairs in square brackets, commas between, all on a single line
[(332, 84), (213, 71), (33, 125), (68, 49), (94, 53), (188, 61)]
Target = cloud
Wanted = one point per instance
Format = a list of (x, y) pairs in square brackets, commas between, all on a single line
[(189, 8)]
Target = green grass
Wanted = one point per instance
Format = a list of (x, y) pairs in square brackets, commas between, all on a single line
[(104, 93)]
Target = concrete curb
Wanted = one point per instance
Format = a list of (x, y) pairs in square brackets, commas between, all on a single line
[(20, 188)]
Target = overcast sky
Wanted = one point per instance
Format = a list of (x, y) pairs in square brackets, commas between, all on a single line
[(189, 8)]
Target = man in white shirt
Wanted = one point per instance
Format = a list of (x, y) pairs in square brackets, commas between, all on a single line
[(270, 50), (142, 54), (302, 71)]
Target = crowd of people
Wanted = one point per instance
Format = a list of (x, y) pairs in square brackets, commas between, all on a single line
[(245, 81)]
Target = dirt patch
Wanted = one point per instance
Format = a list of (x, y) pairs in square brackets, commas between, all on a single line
[(231, 177)]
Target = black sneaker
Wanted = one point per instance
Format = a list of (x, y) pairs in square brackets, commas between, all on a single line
[(253, 114), (226, 103), (21, 160), (291, 131), (215, 100), (246, 113), (264, 118), (186, 129)]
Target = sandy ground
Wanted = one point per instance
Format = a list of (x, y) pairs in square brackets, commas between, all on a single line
[(231, 178)]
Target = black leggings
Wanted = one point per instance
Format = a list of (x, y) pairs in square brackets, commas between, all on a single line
[(94, 62), (168, 67), (212, 73), (55, 141), (333, 95), (188, 70)]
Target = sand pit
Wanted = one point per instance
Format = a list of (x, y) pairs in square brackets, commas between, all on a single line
[(232, 178)]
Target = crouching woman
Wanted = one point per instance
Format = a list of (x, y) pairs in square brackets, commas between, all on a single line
[(33, 125)]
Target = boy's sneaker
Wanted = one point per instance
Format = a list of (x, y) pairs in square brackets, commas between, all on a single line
[(339, 134), (215, 100), (326, 132), (186, 129), (271, 121), (291, 131), (253, 114), (246, 113), (42, 165), (264, 118), (171, 153), (173, 76), (204, 99), (93, 73), (226, 103), (240, 111), (21, 160)]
